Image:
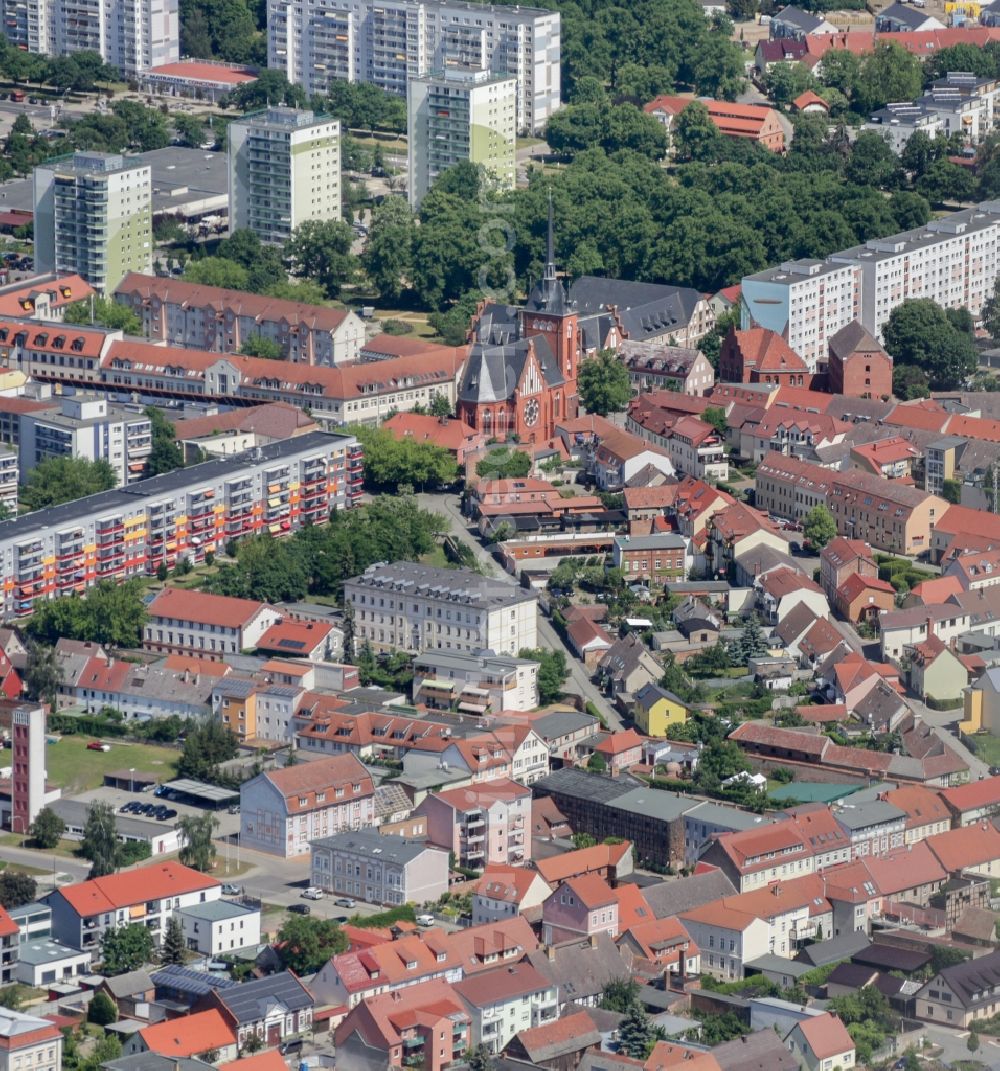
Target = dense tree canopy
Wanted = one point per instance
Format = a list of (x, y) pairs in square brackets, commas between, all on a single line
[(604, 384), (109, 613), (64, 479), (920, 335), (391, 463)]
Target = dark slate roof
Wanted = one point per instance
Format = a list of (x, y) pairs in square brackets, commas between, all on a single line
[(187, 980), (675, 897), (584, 785), (493, 371), (845, 946), (905, 16), (795, 16), (579, 970), (973, 981), (760, 1051), (250, 1001), (851, 338), (645, 309), (890, 958)]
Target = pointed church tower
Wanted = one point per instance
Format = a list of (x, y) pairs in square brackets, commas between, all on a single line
[(549, 312)]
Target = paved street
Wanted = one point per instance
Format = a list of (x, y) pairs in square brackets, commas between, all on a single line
[(579, 681)]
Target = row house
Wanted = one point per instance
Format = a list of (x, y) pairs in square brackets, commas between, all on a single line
[(789, 487), (175, 312), (281, 811), (889, 515), (843, 558), (657, 559), (149, 896), (365, 392), (206, 626), (179, 515)]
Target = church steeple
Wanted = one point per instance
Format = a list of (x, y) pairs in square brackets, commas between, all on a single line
[(549, 295)]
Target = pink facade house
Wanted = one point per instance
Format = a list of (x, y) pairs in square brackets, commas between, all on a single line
[(621, 750), (484, 825), (583, 906)]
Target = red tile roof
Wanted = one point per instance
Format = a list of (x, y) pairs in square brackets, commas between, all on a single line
[(970, 846), (974, 795), (766, 351), (502, 984), (827, 1036), (857, 584), (272, 1060), (451, 434), (803, 100), (203, 609), (19, 300), (591, 890), (153, 882), (475, 797), (295, 638), (306, 779), (203, 72), (618, 743), (189, 1035), (582, 861), (510, 886)]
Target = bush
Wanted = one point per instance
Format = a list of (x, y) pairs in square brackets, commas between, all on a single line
[(406, 913), (944, 704)]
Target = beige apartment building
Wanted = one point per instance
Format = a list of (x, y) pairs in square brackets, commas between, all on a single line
[(887, 514)]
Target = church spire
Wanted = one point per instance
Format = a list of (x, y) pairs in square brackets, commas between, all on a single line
[(550, 260)]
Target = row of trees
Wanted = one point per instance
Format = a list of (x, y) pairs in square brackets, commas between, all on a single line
[(317, 560)]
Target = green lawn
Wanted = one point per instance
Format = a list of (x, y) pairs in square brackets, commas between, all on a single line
[(75, 769), (986, 746)]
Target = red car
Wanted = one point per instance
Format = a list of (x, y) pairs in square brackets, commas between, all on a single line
[(96, 745)]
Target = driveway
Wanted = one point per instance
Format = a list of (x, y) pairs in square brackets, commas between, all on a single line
[(944, 723), (579, 681)]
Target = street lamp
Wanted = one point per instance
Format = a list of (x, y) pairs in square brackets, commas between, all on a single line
[(131, 779)]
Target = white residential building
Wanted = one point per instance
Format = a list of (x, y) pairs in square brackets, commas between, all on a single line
[(219, 927), (87, 427), (379, 869), (209, 626), (284, 169), (476, 682), (388, 43), (456, 115), (951, 260), (26, 1041), (281, 811), (411, 607), (93, 215), (133, 35)]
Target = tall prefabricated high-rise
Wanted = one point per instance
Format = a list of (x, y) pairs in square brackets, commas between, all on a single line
[(27, 766), (460, 114), (94, 216), (132, 35), (284, 169), (389, 42)]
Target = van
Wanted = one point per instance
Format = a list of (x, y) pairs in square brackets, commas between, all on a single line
[(293, 1045), (425, 920)]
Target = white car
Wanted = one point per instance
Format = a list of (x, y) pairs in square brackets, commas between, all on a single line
[(312, 893), (425, 920)]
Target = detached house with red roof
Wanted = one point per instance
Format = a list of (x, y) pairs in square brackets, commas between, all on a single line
[(82, 913), (186, 1037), (281, 811), (751, 121), (208, 626), (580, 907), (821, 1043), (504, 893)]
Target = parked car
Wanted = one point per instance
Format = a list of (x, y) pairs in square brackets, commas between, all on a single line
[(228, 889), (312, 893), (299, 909), (425, 920), (160, 790), (96, 745), (344, 901), (293, 1045), (169, 812)]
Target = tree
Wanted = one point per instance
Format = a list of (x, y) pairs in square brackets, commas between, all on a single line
[(603, 384), (47, 829), (552, 672), (504, 464), (872, 162), (635, 1032), (695, 136), (717, 418), (17, 888), (109, 613), (43, 675), (126, 948), (102, 1010), (105, 313), (198, 831), (270, 87), (65, 479), (304, 291), (819, 527), (480, 1059), (173, 942), (751, 643), (440, 406), (945, 182), (217, 271), (888, 73), (596, 763), (620, 994), (973, 1042), (305, 943), (262, 346), (100, 842), (165, 454), (264, 264), (205, 747), (991, 313), (583, 840), (392, 463), (321, 250), (388, 256), (251, 1043), (920, 334)]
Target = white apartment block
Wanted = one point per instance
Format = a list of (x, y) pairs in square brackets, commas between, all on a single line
[(805, 301), (284, 169), (87, 427), (207, 626), (390, 42), (411, 607), (460, 115), (94, 216), (952, 260), (477, 682), (220, 926), (122, 533), (9, 478), (132, 35)]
